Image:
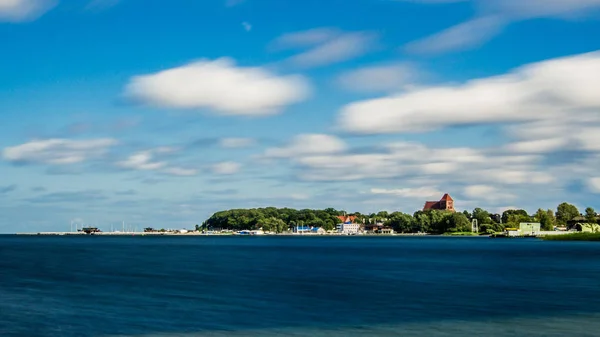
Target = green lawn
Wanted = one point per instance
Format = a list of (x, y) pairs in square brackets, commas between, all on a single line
[(461, 234), (574, 237)]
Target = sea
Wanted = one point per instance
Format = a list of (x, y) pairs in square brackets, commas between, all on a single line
[(297, 286)]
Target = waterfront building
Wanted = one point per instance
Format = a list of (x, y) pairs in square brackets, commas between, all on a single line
[(587, 227), (348, 228), (301, 229), (318, 230), (90, 230), (444, 204), (529, 228)]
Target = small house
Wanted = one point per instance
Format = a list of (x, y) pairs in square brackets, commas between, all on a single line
[(318, 230)]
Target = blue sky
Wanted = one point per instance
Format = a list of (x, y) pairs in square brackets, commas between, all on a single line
[(160, 113)]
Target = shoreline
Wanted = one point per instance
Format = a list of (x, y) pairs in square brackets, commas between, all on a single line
[(191, 234)]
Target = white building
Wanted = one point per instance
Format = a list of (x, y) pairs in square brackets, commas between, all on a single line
[(348, 228)]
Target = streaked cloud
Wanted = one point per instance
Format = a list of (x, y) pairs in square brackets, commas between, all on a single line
[(488, 193), (180, 171), (325, 46), (153, 160), (58, 151), (237, 142), (77, 197), (466, 35), (305, 39), (24, 10), (247, 26), (142, 161), (492, 17), (219, 85), (417, 192), (308, 144), (379, 78), (550, 90), (226, 168), (594, 184)]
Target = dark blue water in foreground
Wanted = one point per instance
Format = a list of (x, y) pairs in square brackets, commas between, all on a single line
[(195, 286)]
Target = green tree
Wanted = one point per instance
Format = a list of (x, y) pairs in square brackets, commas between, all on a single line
[(400, 222), (383, 215), (279, 225), (482, 216), (590, 216), (521, 213), (566, 212), (551, 218), (329, 225), (421, 223), (491, 228), (459, 223), (546, 223)]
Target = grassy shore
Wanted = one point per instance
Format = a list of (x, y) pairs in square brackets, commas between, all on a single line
[(460, 234), (573, 237)]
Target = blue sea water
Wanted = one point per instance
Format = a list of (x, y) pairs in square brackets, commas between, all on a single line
[(303, 286)]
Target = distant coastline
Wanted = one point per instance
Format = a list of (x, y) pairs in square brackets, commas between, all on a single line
[(436, 218)]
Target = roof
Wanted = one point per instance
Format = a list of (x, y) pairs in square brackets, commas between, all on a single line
[(347, 218), (446, 197), (430, 204), (587, 227)]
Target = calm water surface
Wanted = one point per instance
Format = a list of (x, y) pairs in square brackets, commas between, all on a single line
[(330, 286)]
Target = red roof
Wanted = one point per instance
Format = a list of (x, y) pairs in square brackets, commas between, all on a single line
[(346, 218), (429, 205), (447, 197), (442, 204)]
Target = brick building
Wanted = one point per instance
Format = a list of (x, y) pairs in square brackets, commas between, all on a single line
[(444, 204)]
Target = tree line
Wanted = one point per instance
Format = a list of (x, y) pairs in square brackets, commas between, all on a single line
[(431, 221)]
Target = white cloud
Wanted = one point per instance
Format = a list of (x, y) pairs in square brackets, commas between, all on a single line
[(58, 151), (307, 38), (518, 9), (465, 35), (554, 89), (418, 192), (179, 171), (384, 78), (228, 167), (594, 184), (538, 145), (308, 144), (487, 192), (237, 142), (24, 10), (299, 196), (147, 161), (142, 161), (326, 46), (247, 26), (219, 85), (425, 171), (492, 16)]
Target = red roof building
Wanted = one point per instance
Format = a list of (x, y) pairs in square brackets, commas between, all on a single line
[(347, 218), (444, 204)]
